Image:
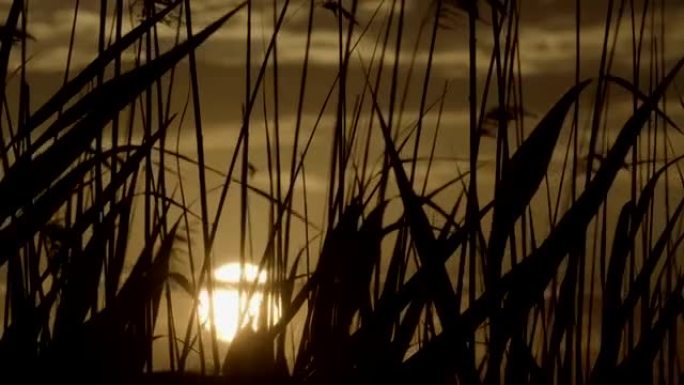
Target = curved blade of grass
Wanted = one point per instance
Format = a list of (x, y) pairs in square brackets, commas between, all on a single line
[(82, 278), (638, 365), (641, 282), (117, 259), (522, 175), (6, 40), (371, 235), (624, 83), (527, 280), (62, 97), (38, 213), (610, 331), (331, 315), (99, 107), (259, 192), (114, 340), (438, 283), (522, 367), (397, 295), (563, 313), (614, 311), (141, 285), (532, 275)]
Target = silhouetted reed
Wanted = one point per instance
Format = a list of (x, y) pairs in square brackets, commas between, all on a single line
[(526, 272)]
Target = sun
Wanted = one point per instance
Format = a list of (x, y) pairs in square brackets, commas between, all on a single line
[(234, 308)]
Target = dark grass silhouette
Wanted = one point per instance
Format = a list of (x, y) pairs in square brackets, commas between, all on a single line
[(381, 300)]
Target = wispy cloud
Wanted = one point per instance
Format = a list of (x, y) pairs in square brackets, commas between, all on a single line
[(548, 49), (544, 47)]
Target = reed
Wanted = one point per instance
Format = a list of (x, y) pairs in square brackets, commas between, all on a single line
[(513, 268)]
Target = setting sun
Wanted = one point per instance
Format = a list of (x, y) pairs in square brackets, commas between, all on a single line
[(233, 306)]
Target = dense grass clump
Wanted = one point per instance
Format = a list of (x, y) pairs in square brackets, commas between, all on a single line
[(468, 250)]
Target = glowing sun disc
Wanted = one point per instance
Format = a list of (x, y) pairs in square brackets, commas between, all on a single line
[(230, 300)]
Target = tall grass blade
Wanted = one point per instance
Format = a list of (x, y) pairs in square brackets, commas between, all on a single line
[(71, 88)]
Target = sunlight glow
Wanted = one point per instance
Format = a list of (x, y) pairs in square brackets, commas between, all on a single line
[(232, 272), (232, 307)]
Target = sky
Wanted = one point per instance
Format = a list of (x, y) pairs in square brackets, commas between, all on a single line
[(547, 55), (547, 59)]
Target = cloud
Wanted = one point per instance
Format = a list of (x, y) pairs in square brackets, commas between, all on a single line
[(546, 47), (315, 183), (223, 136), (226, 47), (550, 48)]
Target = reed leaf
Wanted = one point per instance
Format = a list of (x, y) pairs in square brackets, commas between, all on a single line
[(527, 280), (71, 88), (530, 277), (522, 175), (38, 213), (99, 107), (638, 365)]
